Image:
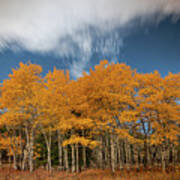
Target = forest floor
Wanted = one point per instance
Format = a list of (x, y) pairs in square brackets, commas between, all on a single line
[(91, 174)]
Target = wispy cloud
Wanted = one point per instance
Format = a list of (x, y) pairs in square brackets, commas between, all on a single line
[(60, 26), (89, 43)]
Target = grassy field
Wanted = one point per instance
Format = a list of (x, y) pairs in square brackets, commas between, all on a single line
[(92, 174)]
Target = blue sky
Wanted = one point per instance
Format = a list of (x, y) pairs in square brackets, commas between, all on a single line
[(154, 47), (145, 41)]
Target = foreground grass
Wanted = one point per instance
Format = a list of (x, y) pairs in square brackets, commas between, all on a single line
[(41, 174)]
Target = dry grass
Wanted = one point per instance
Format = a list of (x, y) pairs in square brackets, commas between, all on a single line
[(91, 174)]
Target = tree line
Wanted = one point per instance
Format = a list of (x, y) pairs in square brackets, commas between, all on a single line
[(112, 117)]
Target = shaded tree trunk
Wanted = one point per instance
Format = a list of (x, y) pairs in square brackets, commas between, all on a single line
[(48, 139), (100, 153), (84, 153), (163, 158), (146, 153), (14, 160), (49, 158), (120, 155), (107, 157), (174, 155), (31, 150), (77, 158), (127, 151), (84, 157), (73, 158), (24, 161), (112, 153), (66, 162), (60, 151), (137, 157), (0, 158)]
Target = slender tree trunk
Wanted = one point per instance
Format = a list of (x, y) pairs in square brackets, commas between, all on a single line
[(100, 153), (123, 152), (107, 158), (27, 147), (14, 151), (168, 154), (151, 156), (174, 155), (24, 161), (136, 157), (77, 158), (112, 153), (163, 158), (60, 151), (133, 155), (48, 139), (73, 158), (115, 152), (120, 155), (84, 157), (49, 157), (9, 158), (146, 154), (21, 150), (84, 153), (31, 150), (127, 151), (14, 160), (49, 151), (0, 158), (66, 163)]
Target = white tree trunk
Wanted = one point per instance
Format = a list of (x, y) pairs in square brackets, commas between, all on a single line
[(49, 157), (24, 159), (112, 153), (66, 158), (60, 151), (77, 158), (73, 158), (31, 150)]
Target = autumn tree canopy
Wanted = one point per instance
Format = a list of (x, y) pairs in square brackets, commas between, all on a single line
[(111, 117)]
